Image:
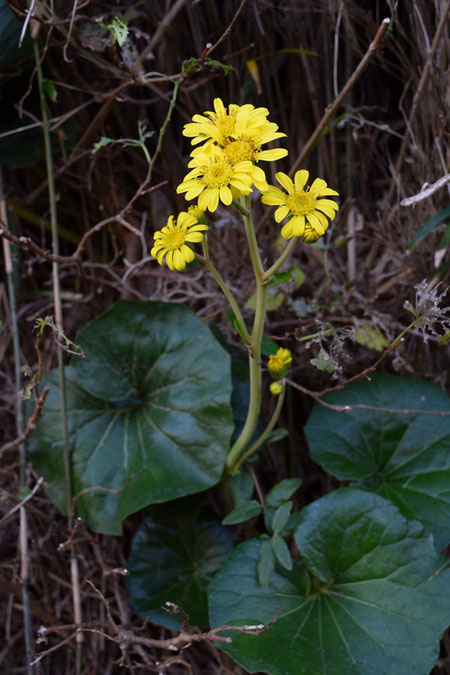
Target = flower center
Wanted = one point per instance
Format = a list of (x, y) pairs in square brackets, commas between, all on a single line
[(301, 203), (240, 151), (225, 123), (174, 239), (217, 174)]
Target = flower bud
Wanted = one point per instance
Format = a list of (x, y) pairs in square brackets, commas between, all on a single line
[(279, 363)]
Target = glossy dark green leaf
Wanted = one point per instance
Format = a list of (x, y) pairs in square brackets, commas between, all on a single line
[(376, 605), (242, 513), (174, 562), (149, 413), (405, 457)]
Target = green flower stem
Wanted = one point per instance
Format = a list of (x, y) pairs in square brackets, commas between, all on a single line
[(266, 432), (255, 343), (237, 206), (251, 236), (305, 338), (396, 340), (226, 291), (277, 264)]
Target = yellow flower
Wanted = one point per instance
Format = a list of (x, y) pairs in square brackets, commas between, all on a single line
[(305, 207), (213, 178), (195, 211), (222, 124), (240, 132), (276, 388), (172, 241), (279, 362)]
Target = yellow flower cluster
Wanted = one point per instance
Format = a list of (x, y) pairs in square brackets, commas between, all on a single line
[(224, 167)]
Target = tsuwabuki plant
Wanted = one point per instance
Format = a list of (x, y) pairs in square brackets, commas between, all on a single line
[(353, 584)]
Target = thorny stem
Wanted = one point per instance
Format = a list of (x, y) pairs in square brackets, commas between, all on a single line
[(59, 323), (20, 422)]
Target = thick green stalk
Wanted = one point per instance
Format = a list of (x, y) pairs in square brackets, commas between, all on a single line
[(257, 444), (59, 323), (255, 343), (229, 296), (20, 425)]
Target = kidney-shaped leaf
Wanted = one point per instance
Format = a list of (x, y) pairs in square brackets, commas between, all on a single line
[(149, 413), (174, 563), (374, 607), (405, 457)]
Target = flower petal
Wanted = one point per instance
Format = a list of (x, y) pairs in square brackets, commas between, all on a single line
[(281, 213), (285, 181), (271, 155), (315, 223), (298, 225), (273, 196), (301, 178), (178, 260), (286, 231), (318, 185), (225, 195), (187, 253)]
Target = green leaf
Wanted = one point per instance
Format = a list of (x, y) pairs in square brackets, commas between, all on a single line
[(217, 65), (102, 143), (404, 457), (283, 491), (370, 335), (298, 276), (445, 239), (280, 517), (281, 551), (274, 300), (49, 89), (323, 362), (119, 30), (266, 562), (429, 226), (268, 346), (242, 513), (149, 413), (279, 278), (174, 562), (241, 486), (375, 605)]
